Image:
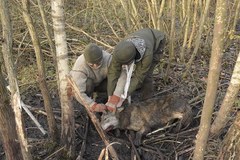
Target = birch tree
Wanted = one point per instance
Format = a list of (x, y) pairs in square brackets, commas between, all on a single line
[(213, 78), (68, 130), (231, 94), (15, 96), (230, 148), (11, 147)]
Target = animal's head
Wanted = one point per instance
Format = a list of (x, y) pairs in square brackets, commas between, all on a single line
[(185, 116), (109, 121)]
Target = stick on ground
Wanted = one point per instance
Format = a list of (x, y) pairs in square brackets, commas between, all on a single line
[(92, 117)]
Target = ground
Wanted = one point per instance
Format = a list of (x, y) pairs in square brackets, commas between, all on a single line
[(165, 144)]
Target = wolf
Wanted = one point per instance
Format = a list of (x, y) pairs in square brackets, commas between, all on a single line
[(149, 114)]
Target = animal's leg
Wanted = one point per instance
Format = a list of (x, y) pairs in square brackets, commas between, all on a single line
[(117, 132), (139, 134), (132, 134), (138, 138)]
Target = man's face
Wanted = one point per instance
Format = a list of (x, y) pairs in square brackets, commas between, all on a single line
[(95, 65)]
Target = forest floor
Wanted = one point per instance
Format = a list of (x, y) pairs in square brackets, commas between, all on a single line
[(165, 144)]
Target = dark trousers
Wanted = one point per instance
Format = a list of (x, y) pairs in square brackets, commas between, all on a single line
[(147, 88), (100, 90)]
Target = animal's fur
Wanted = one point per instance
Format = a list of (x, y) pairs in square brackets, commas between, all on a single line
[(144, 116)]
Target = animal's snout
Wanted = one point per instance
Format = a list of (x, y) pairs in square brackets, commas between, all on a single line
[(109, 121), (178, 115)]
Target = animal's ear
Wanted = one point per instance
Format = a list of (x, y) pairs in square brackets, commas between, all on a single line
[(120, 109), (165, 103)]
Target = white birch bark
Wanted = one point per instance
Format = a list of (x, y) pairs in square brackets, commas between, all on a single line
[(228, 101), (68, 130), (213, 79)]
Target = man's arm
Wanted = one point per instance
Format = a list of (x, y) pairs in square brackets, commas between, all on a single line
[(80, 79), (114, 72)]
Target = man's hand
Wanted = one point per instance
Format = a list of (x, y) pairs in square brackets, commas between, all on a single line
[(98, 107), (113, 102), (111, 107)]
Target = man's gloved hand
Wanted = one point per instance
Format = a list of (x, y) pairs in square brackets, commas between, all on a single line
[(98, 107), (112, 103)]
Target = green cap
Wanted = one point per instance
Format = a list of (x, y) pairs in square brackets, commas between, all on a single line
[(124, 52), (93, 53)]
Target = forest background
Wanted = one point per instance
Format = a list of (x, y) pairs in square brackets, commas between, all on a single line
[(42, 39)]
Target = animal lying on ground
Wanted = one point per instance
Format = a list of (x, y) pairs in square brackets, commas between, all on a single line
[(144, 116)]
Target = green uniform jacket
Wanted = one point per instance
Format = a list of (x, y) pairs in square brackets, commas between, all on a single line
[(152, 40)]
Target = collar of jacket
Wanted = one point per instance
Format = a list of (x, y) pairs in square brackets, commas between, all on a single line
[(140, 45)]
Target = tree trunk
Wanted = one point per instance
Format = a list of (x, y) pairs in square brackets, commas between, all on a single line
[(230, 148), (68, 130), (15, 96), (134, 16), (47, 30), (159, 20), (125, 5), (41, 72), (11, 147), (198, 40), (236, 16), (193, 25), (186, 32), (172, 33), (172, 37), (213, 78), (228, 101)]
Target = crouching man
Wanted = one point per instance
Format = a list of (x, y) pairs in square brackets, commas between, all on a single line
[(131, 68), (89, 73)]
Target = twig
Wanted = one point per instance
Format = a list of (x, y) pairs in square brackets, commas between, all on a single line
[(80, 30), (200, 96), (190, 130), (83, 147), (122, 141), (164, 91), (39, 126), (25, 107), (161, 129), (60, 149), (133, 147), (106, 155), (147, 149), (45, 114), (101, 154), (185, 151), (55, 116), (107, 148), (151, 140)]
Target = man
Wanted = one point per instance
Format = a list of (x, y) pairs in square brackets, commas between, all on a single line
[(136, 55), (89, 73)]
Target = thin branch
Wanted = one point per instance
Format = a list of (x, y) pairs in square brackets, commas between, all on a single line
[(80, 30)]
